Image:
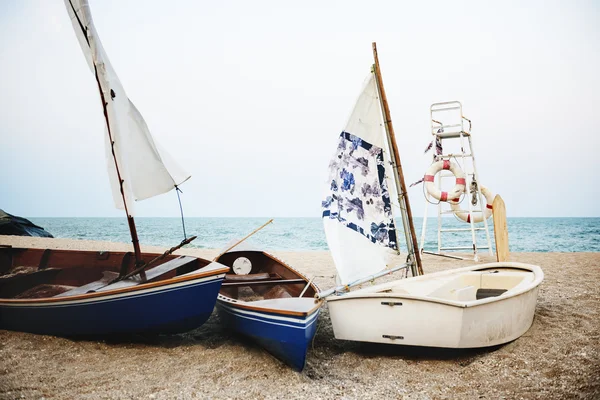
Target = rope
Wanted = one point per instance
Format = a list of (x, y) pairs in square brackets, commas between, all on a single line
[(177, 190)]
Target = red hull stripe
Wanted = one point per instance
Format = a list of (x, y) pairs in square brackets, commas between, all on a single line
[(461, 181), (444, 196), (428, 178), (446, 164)]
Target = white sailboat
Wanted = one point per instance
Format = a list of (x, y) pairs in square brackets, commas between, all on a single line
[(71, 292), (476, 306)]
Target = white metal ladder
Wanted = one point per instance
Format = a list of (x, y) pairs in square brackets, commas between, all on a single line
[(448, 122)]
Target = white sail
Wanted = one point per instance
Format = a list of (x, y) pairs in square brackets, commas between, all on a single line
[(357, 210), (145, 168)]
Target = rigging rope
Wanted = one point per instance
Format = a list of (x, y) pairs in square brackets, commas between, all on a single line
[(177, 190)]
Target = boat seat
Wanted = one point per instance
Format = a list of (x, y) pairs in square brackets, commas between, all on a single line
[(152, 274), (466, 293), (248, 277), (485, 293)]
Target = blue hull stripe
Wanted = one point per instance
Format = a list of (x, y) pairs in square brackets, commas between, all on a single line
[(167, 309), (287, 338), (256, 316)]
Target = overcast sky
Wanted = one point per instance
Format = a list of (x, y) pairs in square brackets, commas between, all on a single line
[(250, 97)]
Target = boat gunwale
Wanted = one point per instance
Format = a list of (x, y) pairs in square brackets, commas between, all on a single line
[(246, 304), (142, 286), (536, 270)]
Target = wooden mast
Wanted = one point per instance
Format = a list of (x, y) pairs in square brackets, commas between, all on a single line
[(130, 221), (411, 237)]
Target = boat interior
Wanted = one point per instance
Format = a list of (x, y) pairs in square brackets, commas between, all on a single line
[(257, 277), (464, 286), (45, 273)]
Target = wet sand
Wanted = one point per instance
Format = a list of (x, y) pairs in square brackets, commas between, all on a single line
[(558, 358)]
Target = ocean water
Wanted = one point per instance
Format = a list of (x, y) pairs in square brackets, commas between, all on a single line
[(525, 234)]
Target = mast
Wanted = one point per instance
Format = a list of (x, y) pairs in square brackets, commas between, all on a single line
[(130, 221), (411, 238)]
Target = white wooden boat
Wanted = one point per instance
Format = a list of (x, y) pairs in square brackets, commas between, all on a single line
[(469, 307), (476, 306)]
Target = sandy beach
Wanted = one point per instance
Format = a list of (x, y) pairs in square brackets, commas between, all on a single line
[(558, 358)]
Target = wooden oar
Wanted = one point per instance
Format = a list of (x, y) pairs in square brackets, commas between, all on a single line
[(500, 229), (153, 261), (241, 240)]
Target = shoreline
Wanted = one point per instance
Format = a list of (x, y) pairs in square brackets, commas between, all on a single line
[(559, 357)]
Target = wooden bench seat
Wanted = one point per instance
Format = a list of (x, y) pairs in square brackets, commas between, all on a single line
[(247, 277), (154, 273)]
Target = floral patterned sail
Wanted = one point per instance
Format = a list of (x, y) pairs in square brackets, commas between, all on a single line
[(357, 209)]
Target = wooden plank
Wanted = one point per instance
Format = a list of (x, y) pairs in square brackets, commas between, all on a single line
[(104, 284), (168, 266), (260, 283), (500, 229), (92, 286), (261, 276)]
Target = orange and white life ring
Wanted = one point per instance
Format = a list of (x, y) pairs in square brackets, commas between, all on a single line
[(436, 193), (480, 216)]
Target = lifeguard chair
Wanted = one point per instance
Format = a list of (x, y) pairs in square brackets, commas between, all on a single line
[(454, 157)]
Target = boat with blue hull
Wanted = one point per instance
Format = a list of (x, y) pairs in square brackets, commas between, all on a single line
[(267, 300), (69, 293), (66, 292)]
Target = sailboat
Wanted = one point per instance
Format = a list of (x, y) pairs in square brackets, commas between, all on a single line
[(476, 306), (65, 292), (268, 301)]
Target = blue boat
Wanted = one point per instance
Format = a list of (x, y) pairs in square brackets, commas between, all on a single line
[(64, 292), (270, 302), (68, 293)]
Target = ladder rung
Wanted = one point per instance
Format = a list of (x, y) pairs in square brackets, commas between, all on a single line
[(450, 135), (463, 211), (455, 155), (463, 248), (446, 126), (461, 229), (445, 108)]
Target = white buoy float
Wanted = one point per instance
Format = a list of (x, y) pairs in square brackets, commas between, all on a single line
[(436, 193), (478, 217)]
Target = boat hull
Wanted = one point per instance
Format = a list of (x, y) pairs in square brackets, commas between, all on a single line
[(380, 316), (285, 336), (169, 308)]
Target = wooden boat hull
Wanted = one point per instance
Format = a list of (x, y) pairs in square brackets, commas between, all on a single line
[(395, 313), (177, 296), (286, 337), (166, 309), (280, 313)]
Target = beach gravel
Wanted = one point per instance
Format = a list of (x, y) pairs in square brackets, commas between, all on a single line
[(558, 358)]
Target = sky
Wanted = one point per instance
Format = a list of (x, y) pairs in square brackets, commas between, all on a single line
[(250, 97)]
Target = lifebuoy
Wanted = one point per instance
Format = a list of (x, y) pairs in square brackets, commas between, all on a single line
[(478, 217), (436, 193)]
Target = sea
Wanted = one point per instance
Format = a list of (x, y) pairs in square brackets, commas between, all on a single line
[(306, 234)]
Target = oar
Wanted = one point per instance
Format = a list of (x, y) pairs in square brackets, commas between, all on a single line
[(241, 240), (153, 261)]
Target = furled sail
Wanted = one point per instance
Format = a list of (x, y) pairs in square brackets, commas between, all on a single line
[(145, 168), (357, 210)]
